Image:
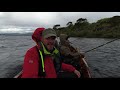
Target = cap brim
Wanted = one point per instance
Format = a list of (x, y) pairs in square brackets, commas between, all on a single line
[(50, 35)]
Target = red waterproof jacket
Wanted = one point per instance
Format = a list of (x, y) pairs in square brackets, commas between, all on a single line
[(31, 65)]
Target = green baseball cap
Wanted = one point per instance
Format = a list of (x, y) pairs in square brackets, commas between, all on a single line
[(48, 33)]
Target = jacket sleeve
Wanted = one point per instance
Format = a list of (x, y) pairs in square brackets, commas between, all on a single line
[(67, 67), (29, 69)]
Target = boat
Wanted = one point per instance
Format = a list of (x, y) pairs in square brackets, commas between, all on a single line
[(84, 70), (19, 74)]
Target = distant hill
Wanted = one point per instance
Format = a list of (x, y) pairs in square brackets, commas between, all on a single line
[(17, 34), (105, 28)]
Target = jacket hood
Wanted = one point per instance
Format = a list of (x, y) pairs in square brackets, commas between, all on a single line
[(64, 39), (37, 35)]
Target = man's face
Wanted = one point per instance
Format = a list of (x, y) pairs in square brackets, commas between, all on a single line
[(49, 42)]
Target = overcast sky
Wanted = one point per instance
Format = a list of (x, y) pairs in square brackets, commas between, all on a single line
[(33, 20)]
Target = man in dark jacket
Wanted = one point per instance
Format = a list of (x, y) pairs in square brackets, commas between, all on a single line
[(68, 51), (73, 56), (43, 60)]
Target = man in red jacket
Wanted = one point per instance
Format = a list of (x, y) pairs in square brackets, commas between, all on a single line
[(43, 60)]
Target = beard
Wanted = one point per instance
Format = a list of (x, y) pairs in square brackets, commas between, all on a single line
[(50, 46)]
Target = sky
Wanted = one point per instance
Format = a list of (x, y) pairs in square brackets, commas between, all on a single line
[(22, 22)]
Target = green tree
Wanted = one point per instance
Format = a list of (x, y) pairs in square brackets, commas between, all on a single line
[(56, 26), (69, 24)]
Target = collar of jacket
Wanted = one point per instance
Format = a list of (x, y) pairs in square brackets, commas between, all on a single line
[(47, 52)]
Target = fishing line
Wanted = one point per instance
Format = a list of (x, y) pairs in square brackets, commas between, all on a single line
[(101, 45)]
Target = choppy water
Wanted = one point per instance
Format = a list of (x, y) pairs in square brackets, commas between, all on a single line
[(103, 62)]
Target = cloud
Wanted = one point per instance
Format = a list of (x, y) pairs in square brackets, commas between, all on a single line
[(26, 18), (47, 19)]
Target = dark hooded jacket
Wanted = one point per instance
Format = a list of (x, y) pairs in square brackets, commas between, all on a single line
[(31, 65), (68, 51)]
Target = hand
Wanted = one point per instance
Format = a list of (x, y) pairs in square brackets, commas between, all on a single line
[(77, 73)]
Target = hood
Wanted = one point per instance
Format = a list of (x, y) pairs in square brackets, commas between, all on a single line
[(37, 35), (64, 39)]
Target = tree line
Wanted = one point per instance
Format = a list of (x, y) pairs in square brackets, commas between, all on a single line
[(103, 28)]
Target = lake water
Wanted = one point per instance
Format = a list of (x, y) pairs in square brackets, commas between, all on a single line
[(104, 62)]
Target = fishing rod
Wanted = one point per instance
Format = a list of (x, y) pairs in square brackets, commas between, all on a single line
[(101, 45)]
